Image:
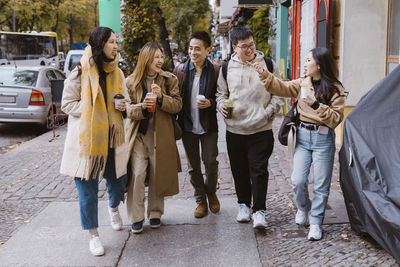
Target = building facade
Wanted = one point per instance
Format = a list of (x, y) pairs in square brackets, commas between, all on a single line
[(363, 36)]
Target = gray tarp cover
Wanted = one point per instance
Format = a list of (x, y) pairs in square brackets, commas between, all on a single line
[(370, 164)]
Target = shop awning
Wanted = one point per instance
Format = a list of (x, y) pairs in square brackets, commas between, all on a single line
[(234, 15), (222, 28), (255, 3)]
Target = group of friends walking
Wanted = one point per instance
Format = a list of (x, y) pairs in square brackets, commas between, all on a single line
[(131, 142)]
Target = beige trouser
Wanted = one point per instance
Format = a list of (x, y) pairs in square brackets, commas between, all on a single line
[(143, 154)]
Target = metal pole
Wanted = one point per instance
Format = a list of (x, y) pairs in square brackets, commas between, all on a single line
[(14, 17)]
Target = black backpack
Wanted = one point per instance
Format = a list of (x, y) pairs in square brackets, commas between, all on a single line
[(268, 62)]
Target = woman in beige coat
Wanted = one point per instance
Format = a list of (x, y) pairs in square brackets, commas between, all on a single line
[(151, 137), (95, 143)]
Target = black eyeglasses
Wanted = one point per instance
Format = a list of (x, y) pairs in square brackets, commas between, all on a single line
[(245, 47)]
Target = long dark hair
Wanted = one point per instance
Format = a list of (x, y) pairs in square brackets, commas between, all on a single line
[(328, 72), (97, 39)]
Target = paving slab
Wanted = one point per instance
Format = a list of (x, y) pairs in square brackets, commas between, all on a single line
[(54, 238), (336, 212), (229, 244), (215, 240)]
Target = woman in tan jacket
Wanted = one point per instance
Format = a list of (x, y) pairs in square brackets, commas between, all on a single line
[(320, 106), (151, 137)]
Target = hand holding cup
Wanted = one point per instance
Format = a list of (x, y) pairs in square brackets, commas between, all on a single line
[(120, 102), (202, 102), (305, 91), (229, 108), (149, 101), (223, 110), (155, 88)]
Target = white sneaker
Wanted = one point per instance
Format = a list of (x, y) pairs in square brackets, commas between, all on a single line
[(243, 213), (95, 246), (116, 221), (259, 219), (315, 232), (301, 217)]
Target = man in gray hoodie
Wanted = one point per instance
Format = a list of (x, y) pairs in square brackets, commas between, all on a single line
[(249, 136)]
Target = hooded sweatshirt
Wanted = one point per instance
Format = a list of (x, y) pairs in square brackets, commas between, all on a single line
[(253, 107)]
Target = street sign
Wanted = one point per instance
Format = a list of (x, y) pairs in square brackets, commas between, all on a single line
[(110, 14)]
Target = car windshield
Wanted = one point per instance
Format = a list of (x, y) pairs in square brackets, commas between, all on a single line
[(19, 77), (73, 60)]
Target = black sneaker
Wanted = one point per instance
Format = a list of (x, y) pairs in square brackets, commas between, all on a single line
[(155, 223), (137, 227)]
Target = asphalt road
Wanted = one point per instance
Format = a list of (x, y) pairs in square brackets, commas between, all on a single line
[(13, 134)]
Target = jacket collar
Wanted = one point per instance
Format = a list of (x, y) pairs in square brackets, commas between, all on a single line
[(164, 74), (259, 56), (192, 67)]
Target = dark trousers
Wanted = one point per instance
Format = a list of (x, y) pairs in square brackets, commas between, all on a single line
[(248, 156), (209, 152)]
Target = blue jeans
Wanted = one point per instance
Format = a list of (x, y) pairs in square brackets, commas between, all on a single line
[(88, 190), (319, 150)]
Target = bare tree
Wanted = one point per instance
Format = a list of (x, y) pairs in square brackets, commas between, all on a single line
[(163, 33)]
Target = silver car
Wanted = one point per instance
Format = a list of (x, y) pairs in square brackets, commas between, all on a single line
[(25, 94)]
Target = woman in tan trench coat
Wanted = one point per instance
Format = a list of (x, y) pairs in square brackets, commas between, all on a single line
[(151, 137)]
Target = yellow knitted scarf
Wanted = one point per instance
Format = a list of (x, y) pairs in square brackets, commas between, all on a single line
[(99, 123)]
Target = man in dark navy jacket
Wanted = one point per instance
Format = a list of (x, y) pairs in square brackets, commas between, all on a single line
[(197, 82)]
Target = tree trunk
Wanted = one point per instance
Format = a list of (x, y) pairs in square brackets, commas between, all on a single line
[(32, 24), (62, 46), (95, 14), (54, 28), (70, 31), (163, 33)]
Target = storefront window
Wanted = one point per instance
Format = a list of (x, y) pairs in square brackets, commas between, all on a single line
[(307, 34), (322, 26), (394, 35)]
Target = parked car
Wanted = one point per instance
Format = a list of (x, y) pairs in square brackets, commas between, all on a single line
[(370, 162), (25, 94), (73, 57), (61, 58)]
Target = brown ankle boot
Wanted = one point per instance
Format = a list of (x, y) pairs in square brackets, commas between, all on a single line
[(213, 202), (201, 210)]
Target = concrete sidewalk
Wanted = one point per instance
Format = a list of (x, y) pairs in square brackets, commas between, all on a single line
[(54, 238), (40, 225)]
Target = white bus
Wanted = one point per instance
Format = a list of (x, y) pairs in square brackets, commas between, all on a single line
[(29, 49)]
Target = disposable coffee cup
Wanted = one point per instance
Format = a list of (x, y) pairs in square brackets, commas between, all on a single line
[(153, 97), (199, 98), (305, 91), (118, 99)]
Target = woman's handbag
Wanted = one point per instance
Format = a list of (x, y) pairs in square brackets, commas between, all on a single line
[(177, 128), (287, 131)]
